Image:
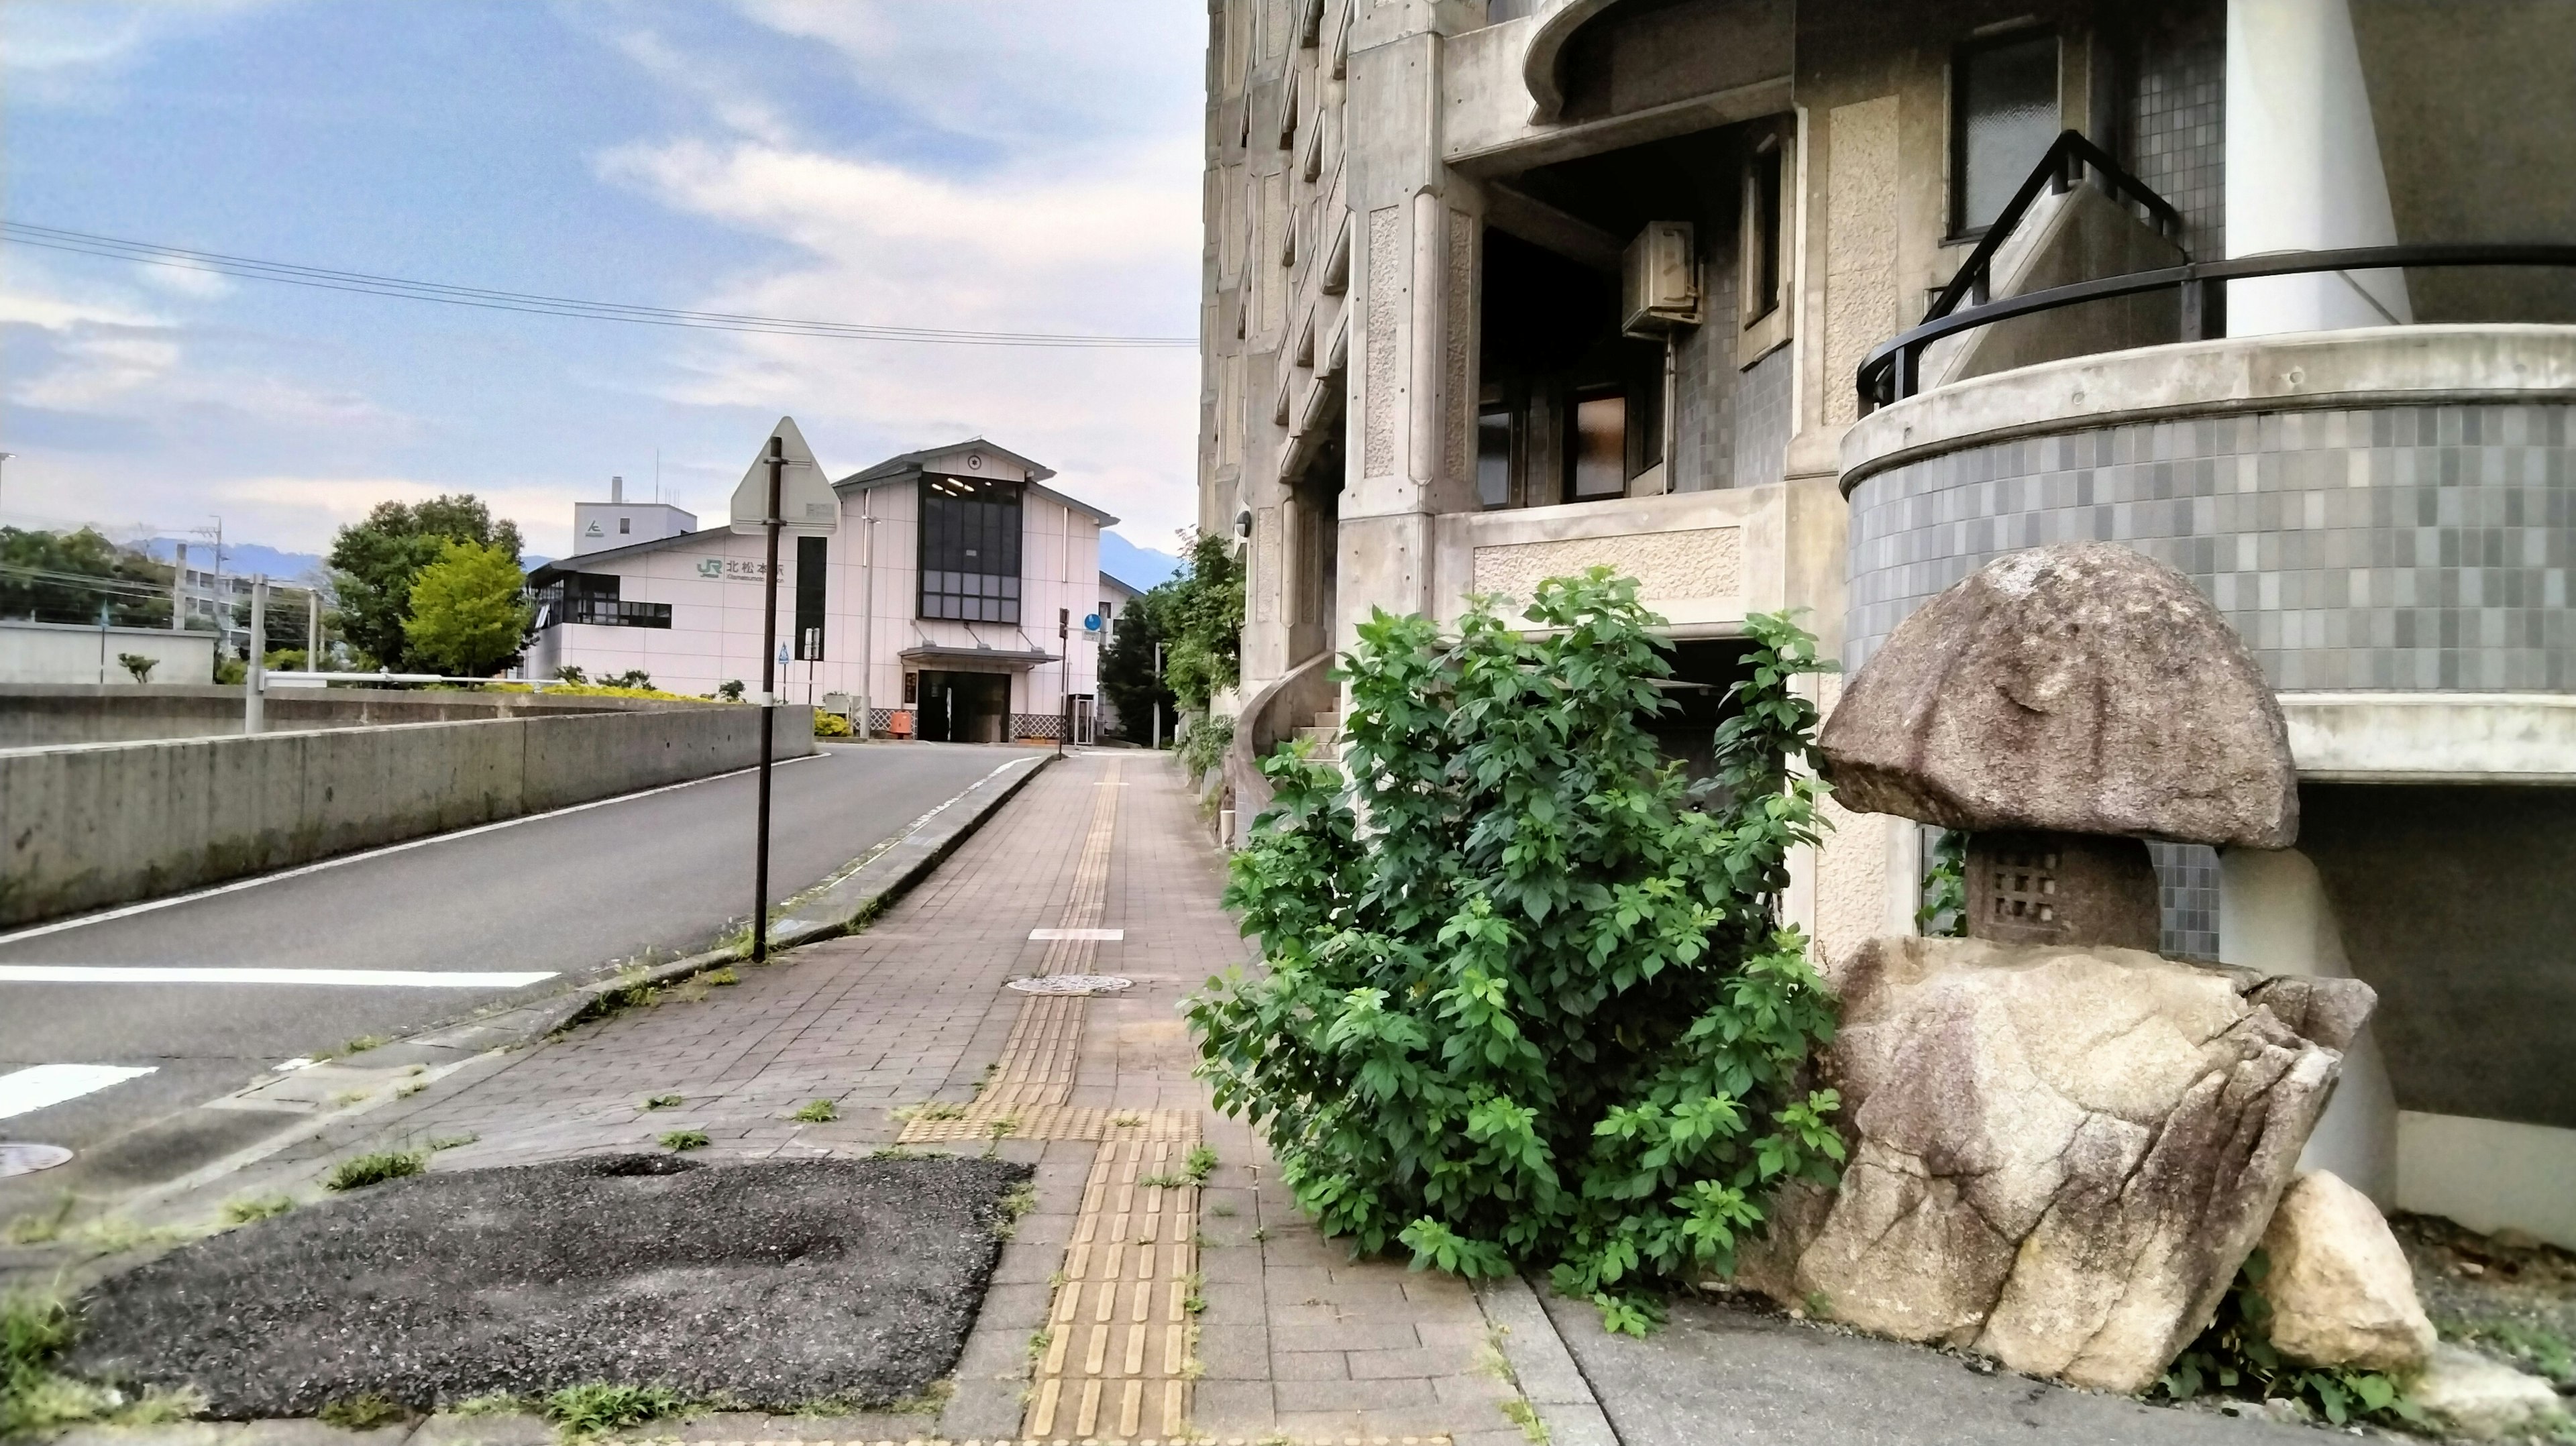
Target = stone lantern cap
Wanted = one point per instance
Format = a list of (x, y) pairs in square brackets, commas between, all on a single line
[(2080, 688)]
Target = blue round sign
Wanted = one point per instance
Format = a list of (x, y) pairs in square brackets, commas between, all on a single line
[(1091, 622)]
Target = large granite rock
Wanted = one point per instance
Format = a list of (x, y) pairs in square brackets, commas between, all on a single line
[(2084, 688), (2340, 1289), (2059, 1156), (2473, 1396)]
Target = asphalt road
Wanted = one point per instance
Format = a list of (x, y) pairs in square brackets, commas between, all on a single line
[(571, 894)]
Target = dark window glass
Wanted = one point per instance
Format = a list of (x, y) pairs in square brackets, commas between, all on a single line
[(1494, 457), (2002, 119), (813, 559), (1762, 203), (970, 549), (1600, 461)]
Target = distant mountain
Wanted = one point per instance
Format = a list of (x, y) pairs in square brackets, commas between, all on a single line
[(1141, 568), (241, 559), (245, 559)]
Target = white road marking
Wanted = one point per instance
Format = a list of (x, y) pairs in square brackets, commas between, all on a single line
[(1112, 935), (33, 1088), (192, 974), (148, 905)]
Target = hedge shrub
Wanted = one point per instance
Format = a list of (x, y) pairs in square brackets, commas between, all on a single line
[(1525, 1004)]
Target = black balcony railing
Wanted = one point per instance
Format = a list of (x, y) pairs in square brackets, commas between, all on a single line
[(1893, 371)]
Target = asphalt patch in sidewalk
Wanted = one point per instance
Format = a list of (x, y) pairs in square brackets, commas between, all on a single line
[(773, 1284)]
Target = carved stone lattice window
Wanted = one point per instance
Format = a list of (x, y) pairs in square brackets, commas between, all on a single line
[(2022, 886)]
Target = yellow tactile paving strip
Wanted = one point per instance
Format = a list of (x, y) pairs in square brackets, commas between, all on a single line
[(1067, 1441), (1117, 1356)]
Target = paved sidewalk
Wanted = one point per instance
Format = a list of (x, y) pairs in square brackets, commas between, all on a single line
[(1135, 1302)]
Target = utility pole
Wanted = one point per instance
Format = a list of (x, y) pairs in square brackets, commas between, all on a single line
[(255, 677), (867, 609), (312, 630), (179, 587), (768, 701), (1157, 698), (1064, 675)]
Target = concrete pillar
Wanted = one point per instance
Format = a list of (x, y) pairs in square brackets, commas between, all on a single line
[(2273, 916), (2303, 170), (1416, 233)]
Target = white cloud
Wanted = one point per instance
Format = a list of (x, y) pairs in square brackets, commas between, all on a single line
[(1084, 219), (187, 281), (73, 52)]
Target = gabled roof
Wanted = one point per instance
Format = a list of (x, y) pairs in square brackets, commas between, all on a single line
[(909, 466)]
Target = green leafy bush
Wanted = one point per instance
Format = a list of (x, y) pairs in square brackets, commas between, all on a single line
[(1203, 747), (832, 725), (2236, 1355), (1524, 1004)]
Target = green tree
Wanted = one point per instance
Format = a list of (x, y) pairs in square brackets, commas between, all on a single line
[(469, 609), (1523, 1004), (1199, 618), (1128, 679), (66, 577), (375, 563)]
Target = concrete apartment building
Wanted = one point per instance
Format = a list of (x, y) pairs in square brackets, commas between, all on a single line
[(950, 604), (1496, 291)]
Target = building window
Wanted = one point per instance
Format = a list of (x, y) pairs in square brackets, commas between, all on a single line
[(813, 569), (970, 549), (1599, 464), (2003, 115), (1764, 179), (626, 524), (591, 598), (1494, 457)]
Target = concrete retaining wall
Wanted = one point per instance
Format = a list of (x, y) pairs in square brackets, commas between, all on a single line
[(94, 825), (45, 715)]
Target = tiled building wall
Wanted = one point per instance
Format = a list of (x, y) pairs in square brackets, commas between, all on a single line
[(2177, 119), (2397, 548), (1763, 421), (1704, 386)]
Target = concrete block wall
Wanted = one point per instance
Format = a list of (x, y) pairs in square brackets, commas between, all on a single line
[(95, 825)]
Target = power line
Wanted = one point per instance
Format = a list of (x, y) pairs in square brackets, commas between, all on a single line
[(368, 284)]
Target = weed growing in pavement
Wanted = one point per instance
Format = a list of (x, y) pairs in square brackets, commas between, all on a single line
[(1195, 1302), (406, 1091), (998, 1131), (499, 1403), (40, 1229), (258, 1207), (817, 1112), (665, 1102), (2235, 1353), (360, 1171), (1260, 1233), (931, 1110), (679, 1140), (895, 1152), (1038, 1344), (346, 1098), (1521, 1413), (34, 1332), (451, 1142), (363, 1412), (1200, 1160), (2528, 1344), (721, 977), (1127, 1120), (582, 1413), (1020, 1200), (931, 1400), (363, 1043), (105, 1235)]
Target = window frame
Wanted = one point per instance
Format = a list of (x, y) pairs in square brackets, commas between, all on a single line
[(1956, 230), (1002, 602), (1760, 334)]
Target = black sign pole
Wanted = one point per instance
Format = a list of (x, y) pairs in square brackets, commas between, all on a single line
[(768, 707)]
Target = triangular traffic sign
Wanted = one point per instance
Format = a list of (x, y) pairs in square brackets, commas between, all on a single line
[(806, 503)]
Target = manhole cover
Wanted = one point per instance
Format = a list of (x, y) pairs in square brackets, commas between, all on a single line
[(19, 1159), (1071, 984)]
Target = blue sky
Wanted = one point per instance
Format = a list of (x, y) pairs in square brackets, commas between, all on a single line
[(1025, 166)]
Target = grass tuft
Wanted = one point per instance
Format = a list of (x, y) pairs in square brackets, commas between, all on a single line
[(34, 1397), (721, 977), (499, 1403), (582, 1413), (365, 1042), (817, 1112), (258, 1207), (362, 1412), (665, 1102), (679, 1140), (360, 1171), (452, 1142)]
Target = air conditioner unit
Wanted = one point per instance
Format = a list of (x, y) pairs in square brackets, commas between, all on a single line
[(1659, 280)]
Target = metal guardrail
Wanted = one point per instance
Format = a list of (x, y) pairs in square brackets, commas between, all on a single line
[(1892, 372), (2061, 168)]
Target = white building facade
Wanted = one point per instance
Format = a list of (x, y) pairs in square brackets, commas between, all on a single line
[(986, 643)]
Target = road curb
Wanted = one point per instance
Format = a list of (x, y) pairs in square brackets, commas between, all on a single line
[(1543, 1368), (840, 905)]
